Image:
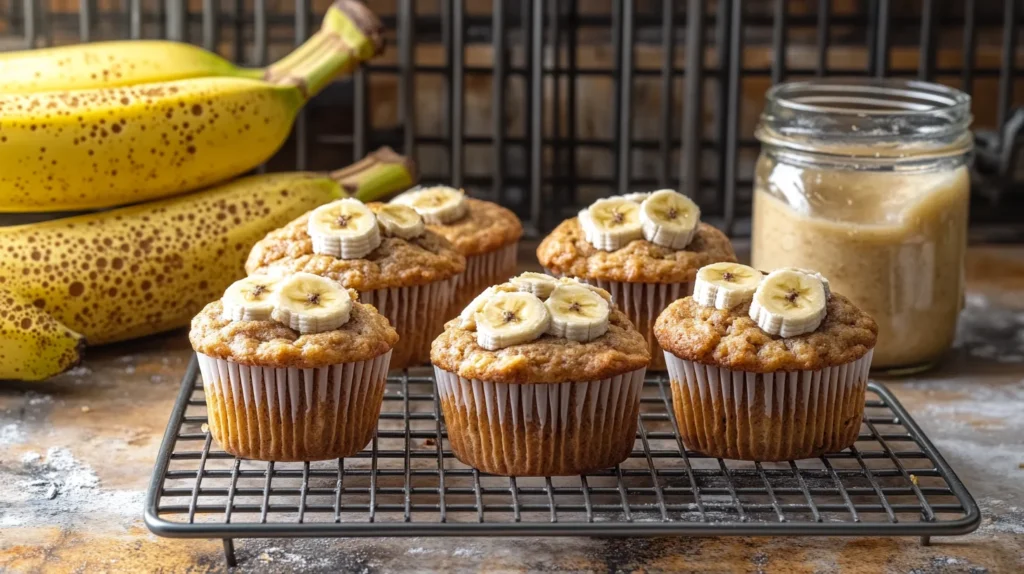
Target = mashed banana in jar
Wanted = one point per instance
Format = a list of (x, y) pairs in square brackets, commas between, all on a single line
[(892, 242), (866, 181)]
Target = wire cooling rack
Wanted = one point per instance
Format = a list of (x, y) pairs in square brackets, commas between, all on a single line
[(407, 482)]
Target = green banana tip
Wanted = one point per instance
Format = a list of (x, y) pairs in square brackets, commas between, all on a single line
[(387, 155), (365, 20)]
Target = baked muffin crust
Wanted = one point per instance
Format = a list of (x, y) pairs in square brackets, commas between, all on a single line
[(486, 227), (733, 340), (366, 335), (546, 360), (566, 252), (395, 263)]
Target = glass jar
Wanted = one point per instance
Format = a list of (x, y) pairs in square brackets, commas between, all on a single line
[(867, 182)]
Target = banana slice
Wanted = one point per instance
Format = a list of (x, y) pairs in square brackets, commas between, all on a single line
[(508, 319), (250, 299), (815, 274), (610, 224), (669, 219), (399, 220), (788, 303), (725, 285), (346, 229), (310, 303), (467, 317), (438, 205), (573, 281), (539, 284), (636, 196), (577, 313)]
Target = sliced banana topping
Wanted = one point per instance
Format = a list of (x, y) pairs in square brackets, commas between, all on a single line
[(250, 299), (346, 229), (636, 196), (669, 219), (467, 318), (572, 281), (310, 303), (539, 284), (610, 224), (508, 319), (577, 313), (725, 285), (815, 274), (397, 220), (438, 205), (788, 303)]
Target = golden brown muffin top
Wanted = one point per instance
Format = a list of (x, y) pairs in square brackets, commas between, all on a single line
[(486, 227), (366, 335), (733, 340), (395, 263), (565, 252), (545, 360)]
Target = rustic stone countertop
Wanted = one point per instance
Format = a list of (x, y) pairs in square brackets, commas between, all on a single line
[(76, 454)]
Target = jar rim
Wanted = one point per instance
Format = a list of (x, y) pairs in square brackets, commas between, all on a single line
[(867, 96), (887, 118)]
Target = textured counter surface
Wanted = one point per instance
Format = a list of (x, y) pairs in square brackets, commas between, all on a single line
[(76, 453)]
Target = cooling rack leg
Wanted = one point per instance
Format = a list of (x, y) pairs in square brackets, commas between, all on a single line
[(926, 541), (229, 552)]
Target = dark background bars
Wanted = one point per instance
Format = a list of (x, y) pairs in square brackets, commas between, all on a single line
[(408, 483), (593, 97)]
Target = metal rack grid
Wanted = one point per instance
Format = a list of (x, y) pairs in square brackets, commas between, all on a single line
[(407, 482), (674, 75)]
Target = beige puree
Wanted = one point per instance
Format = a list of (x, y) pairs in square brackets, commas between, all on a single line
[(892, 242)]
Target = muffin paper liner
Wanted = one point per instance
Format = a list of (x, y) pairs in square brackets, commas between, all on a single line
[(291, 414), (540, 429), (642, 303), (771, 416), (417, 313), (482, 271)]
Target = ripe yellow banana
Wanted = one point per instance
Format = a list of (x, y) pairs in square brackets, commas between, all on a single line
[(87, 149), (111, 65), (138, 270)]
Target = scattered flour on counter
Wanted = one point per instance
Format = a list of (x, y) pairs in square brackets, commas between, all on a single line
[(79, 371), (11, 434), (57, 489)]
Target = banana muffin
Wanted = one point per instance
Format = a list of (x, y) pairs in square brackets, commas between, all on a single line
[(643, 248), (384, 252), (486, 233), (540, 377), (293, 368), (766, 367)]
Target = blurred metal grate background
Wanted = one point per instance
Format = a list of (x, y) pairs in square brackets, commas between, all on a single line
[(546, 105)]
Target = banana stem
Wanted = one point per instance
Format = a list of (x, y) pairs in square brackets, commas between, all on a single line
[(376, 176), (350, 34)]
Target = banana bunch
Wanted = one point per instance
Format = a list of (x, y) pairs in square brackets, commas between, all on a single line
[(787, 302), (94, 143), (665, 217), (514, 313), (134, 271), (111, 65)]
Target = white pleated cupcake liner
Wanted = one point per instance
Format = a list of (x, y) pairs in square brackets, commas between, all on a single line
[(481, 272), (292, 414), (642, 303), (417, 313), (541, 429), (771, 416)]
